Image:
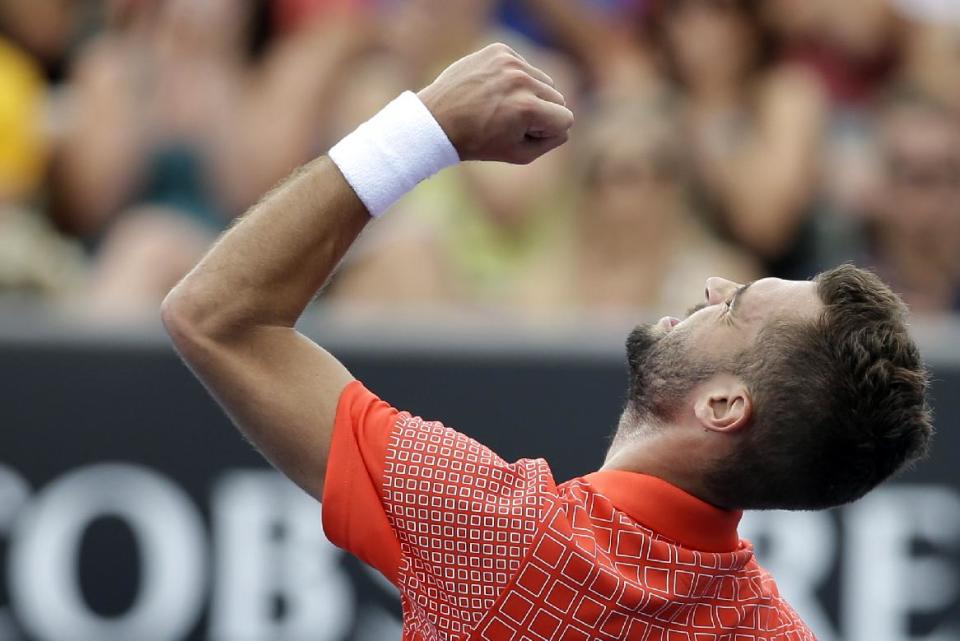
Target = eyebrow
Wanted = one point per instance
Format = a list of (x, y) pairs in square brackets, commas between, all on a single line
[(735, 301)]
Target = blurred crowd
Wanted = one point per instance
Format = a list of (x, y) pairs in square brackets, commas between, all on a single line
[(740, 138)]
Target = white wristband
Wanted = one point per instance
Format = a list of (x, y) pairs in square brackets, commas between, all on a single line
[(391, 153)]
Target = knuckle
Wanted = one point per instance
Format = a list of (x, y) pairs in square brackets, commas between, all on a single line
[(508, 61), (516, 78), (527, 106), (555, 96), (528, 103)]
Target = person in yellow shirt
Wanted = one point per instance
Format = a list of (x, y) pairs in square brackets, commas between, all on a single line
[(22, 148), (34, 257)]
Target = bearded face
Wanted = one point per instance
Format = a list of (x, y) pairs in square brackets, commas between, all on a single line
[(664, 369), (670, 359)]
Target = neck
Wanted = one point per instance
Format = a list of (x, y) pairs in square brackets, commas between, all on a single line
[(661, 450)]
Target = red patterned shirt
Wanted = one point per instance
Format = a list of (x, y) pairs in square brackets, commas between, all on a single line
[(485, 549)]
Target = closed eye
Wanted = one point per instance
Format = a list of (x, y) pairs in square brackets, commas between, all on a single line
[(731, 303), (727, 313)]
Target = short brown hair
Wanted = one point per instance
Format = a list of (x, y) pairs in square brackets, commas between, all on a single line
[(839, 404)]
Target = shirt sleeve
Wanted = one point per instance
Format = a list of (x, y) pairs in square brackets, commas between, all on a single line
[(441, 515), (353, 514)]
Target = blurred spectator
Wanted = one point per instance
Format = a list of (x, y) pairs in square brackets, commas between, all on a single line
[(180, 115), (427, 35), (22, 142), (48, 30), (144, 104), (473, 237), (637, 245), (292, 15), (630, 245), (141, 127), (36, 260), (601, 35), (33, 257), (146, 252), (150, 104), (932, 58), (915, 221), (754, 126), (853, 47)]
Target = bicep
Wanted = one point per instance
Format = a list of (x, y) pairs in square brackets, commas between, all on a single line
[(281, 390)]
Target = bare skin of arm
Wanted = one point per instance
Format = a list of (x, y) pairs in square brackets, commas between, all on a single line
[(232, 317)]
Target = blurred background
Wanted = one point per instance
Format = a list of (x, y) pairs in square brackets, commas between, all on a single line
[(739, 138)]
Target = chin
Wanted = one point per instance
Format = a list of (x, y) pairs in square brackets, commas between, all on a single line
[(662, 369)]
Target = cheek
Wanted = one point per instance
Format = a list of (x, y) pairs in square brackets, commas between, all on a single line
[(711, 341)]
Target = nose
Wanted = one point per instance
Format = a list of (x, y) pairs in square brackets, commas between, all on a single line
[(719, 289)]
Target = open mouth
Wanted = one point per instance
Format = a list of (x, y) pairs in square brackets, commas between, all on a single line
[(668, 322)]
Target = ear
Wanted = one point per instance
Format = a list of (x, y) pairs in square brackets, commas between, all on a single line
[(724, 404)]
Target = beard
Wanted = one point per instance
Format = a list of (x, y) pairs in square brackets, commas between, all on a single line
[(663, 371)]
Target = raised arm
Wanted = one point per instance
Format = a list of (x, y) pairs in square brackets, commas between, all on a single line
[(232, 317)]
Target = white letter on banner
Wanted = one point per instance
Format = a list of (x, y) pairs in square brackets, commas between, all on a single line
[(14, 496), (271, 550), (885, 582), (799, 550), (44, 589)]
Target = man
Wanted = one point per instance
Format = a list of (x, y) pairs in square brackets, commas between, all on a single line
[(775, 394)]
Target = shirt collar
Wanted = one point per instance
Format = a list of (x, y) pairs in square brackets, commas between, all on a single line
[(668, 510)]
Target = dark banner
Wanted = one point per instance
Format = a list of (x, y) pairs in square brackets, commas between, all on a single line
[(131, 510)]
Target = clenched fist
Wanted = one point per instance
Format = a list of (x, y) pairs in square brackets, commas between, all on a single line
[(494, 105)]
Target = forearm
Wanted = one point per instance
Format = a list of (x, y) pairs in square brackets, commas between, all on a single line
[(232, 317), (265, 270)]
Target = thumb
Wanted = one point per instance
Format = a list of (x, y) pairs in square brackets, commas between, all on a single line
[(533, 147)]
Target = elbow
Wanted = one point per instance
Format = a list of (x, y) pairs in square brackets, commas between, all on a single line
[(201, 323), (176, 319), (172, 314), (186, 322)]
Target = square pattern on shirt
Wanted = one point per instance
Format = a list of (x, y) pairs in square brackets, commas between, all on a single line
[(495, 551)]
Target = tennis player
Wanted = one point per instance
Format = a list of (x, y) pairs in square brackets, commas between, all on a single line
[(775, 394)]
